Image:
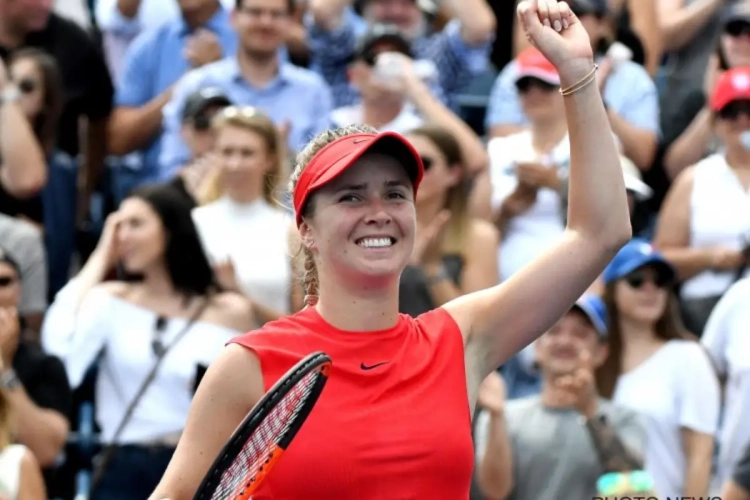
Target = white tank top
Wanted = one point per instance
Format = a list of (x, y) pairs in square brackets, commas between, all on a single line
[(10, 470), (719, 217)]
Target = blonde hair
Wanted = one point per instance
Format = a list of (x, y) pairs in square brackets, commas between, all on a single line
[(304, 257), (252, 120)]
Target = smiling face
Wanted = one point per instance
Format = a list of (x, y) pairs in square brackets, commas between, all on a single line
[(363, 222)]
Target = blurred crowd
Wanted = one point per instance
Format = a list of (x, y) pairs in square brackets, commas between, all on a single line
[(145, 152)]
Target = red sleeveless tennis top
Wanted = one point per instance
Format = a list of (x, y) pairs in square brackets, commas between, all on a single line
[(393, 421)]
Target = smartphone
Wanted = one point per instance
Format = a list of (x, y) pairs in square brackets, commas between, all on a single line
[(200, 371)]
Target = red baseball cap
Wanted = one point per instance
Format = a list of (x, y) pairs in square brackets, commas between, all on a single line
[(733, 85), (531, 62), (333, 160)]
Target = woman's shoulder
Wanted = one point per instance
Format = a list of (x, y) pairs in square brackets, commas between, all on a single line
[(482, 232), (231, 310)]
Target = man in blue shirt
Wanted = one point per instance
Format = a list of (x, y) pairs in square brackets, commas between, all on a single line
[(460, 51), (629, 94), (155, 61), (296, 99)]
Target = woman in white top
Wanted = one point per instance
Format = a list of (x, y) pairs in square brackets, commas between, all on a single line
[(727, 340), (705, 221), (244, 231), (170, 310), (20, 476), (527, 170), (654, 367)]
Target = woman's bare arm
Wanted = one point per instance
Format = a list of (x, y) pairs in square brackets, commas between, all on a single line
[(509, 316), (24, 169), (231, 387), (31, 486)]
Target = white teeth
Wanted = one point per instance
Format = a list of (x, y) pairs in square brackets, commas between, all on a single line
[(375, 242)]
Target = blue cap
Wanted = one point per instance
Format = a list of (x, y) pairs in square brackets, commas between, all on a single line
[(595, 310), (637, 253)]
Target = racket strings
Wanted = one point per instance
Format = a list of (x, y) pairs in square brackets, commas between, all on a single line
[(260, 447)]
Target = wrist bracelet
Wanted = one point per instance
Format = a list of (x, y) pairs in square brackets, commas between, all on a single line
[(590, 77)]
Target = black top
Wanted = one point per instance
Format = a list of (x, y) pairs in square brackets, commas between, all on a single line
[(415, 297), (88, 87)]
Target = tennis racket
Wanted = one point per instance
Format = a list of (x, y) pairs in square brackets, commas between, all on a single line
[(266, 432)]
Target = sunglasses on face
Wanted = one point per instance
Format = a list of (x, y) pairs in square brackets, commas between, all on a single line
[(427, 162), (6, 280), (734, 109), (737, 28), (638, 278), (528, 82)]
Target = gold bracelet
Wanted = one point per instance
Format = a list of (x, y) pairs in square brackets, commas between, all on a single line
[(590, 77)]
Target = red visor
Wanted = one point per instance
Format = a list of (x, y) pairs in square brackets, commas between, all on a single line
[(732, 85), (333, 159)]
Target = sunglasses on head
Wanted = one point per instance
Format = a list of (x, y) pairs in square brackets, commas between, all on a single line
[(528, 82), (6, 280), (734, 109), (737, 28), (639, 277)]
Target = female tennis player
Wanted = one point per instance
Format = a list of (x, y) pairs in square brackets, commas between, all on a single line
[(394, 421)]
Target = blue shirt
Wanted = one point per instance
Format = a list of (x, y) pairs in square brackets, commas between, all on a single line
[(154, 62), (629, 91), (297, 96), (457, 63)]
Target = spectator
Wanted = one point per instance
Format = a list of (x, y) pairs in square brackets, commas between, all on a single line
[(293, 97), (738, 487), (627, 89), (704, 224), (727, 341), (636, 25), (122, 21), (383, 104), (154, 63), (697, 140), (88, 87), (20, 477), (34, 382), (455, 253), (657, 369), (22, 168), (536, 448), (38, 74), (459, 51), (241, 204), (199, 136), (689, 30), (521, 193), (173, 311), (23, 242)]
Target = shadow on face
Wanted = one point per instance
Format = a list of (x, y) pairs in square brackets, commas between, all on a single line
[(541, 101), (642, 296), (439, 176), (559, 350)]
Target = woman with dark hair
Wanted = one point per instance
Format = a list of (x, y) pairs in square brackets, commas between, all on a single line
[(23, 172), (455, 253), (655, 367), (37, 77), (171, 313)]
